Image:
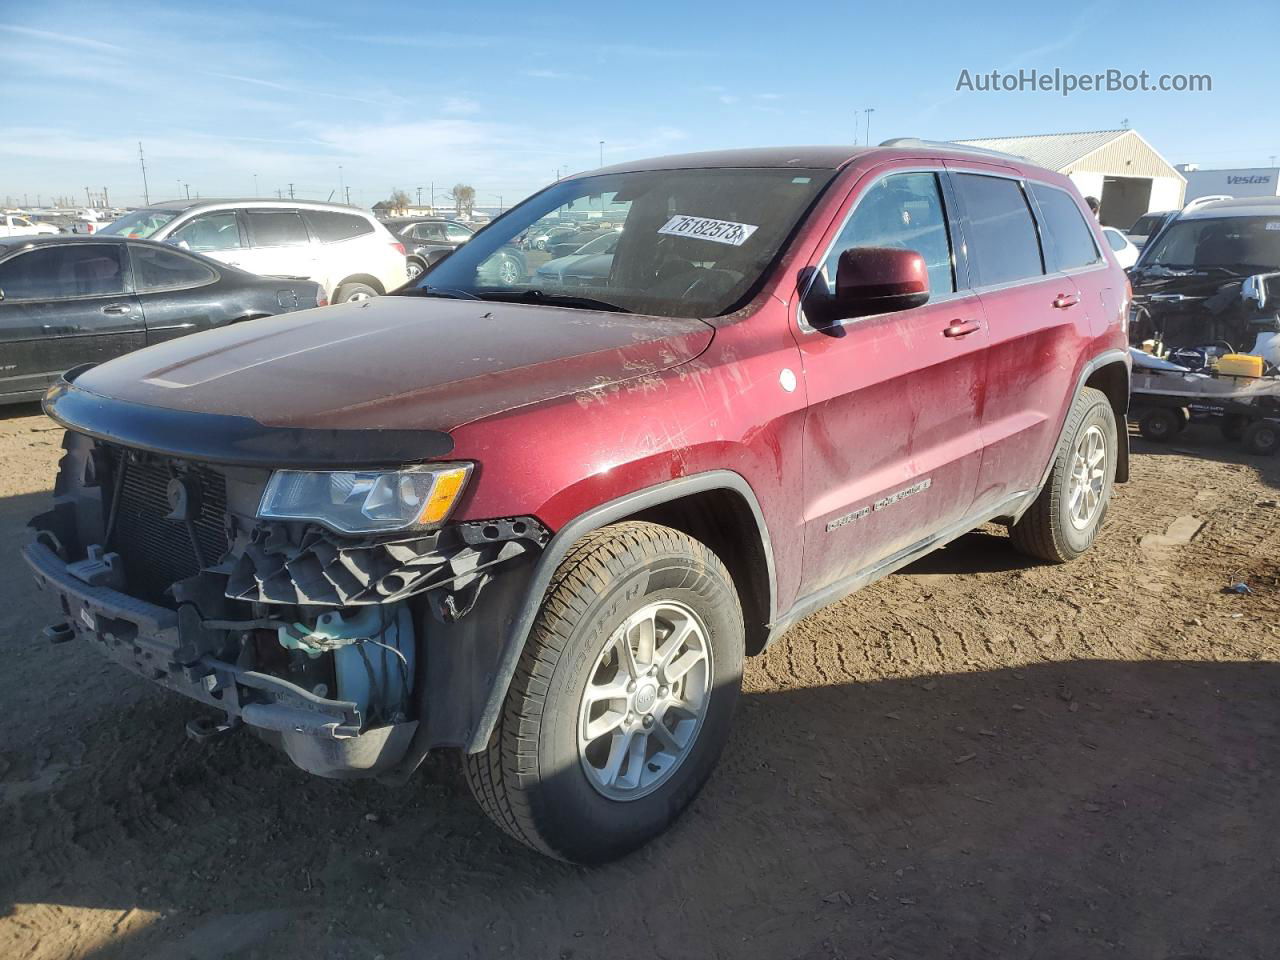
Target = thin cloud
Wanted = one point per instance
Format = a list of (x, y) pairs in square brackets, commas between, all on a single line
[(297, 91), (459, 106), (65, 39)]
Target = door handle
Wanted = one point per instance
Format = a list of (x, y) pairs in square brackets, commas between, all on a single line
[(115, 309), (961, 328), (1064, 300)]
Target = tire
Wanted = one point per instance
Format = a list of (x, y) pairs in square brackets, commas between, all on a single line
[(350, 292), (1233, 426), (1262, 437), (509, 272), (414, 269), (534, 780), (1161, 424), (1057, 527)]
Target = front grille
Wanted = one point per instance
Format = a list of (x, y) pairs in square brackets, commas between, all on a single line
[(157, 551)]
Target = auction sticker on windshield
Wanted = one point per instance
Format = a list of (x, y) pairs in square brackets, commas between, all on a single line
[(704, 228)]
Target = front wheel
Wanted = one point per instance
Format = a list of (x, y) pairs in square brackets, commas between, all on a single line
[(1066, 516), (623, 697)]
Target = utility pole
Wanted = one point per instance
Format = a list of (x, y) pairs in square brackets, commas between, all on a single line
[(255, 184), (106, 202), (869, 111), (187, 188), (342, 184), (419, 197), (146, 196), (433, 196), (602, 153), (279, 194), (291, 191), (87, 198), (348, 195)]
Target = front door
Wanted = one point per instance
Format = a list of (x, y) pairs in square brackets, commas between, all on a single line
[(63, 305), (893, 432)]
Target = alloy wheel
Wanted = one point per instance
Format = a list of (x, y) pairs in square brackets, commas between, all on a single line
[(645, 701)]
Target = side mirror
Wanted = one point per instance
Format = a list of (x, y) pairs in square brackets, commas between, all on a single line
[(1, 296), (435, 256), (871, 280)]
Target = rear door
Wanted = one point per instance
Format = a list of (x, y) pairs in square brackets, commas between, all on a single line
[(280, 245), (1034, 315), (63, 305), (178, 294), (893, 433)]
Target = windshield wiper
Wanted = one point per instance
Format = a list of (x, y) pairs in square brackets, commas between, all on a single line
[(558, 299), (446, 293)]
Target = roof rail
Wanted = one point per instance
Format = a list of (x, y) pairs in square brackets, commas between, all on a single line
[(951, 145)]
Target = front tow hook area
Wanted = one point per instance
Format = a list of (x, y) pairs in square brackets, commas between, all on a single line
[(203, 730), (59, 632)]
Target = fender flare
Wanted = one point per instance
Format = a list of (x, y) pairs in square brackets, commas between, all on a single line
[(560, 545)]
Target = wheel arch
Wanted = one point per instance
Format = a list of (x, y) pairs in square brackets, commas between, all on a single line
[(1111, 377), (696, 504), (364, 278)]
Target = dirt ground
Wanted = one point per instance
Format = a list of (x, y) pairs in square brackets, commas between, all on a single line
[(975, 758)]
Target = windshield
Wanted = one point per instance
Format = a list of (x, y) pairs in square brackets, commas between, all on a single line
[(685, 243), (1233, 242), (140, 224), (1145, 225)]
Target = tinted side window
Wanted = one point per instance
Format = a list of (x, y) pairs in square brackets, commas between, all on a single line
[(275, 228), (212, 231), (456, 233), (331, 226), (74, 270), (429, 231), (156, 269), (903, 210), (1001, 236), (1115, 238), (1069, 237)]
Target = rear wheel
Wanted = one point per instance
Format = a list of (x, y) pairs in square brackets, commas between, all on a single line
[(1066, 516), (1262, 437), (414, 268), (354, 292), (1161, 424), (622, 700)]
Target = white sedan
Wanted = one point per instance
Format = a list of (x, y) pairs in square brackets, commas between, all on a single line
[(1123, 248)]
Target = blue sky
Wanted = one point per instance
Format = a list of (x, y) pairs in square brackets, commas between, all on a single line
[(501, 95)]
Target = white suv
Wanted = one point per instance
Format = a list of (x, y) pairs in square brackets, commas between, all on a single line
[(13, 225), (344, 249)]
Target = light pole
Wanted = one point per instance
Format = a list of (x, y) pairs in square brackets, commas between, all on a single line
[(869, 111), (602, 153), (255, 185), (501, 206), (342, 184)]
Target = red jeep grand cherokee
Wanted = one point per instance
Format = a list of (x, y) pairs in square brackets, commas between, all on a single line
[(544, 524)]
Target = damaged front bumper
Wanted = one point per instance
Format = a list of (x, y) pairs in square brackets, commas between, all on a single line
[(316, 642)]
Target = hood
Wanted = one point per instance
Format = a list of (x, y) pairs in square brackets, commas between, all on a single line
[(397, 362)]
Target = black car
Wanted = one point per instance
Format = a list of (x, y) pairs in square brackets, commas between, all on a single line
[(66, 300), (426, 239), (1189, 283)]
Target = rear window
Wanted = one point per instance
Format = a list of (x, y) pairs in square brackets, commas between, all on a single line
[(331, 226), (1000, 234), (1070, 241), (158, 269), (1144, 226), (276, 228)]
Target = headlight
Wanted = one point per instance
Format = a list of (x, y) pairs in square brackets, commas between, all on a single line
[(366, 501)]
